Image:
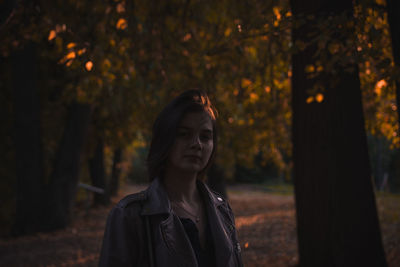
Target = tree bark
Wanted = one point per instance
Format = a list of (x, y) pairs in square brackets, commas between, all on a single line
[(115, 172), (64, 178), (97, 174), (336, 213), (27, 140)]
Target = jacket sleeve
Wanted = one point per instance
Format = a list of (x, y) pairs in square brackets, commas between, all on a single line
[(120, 242)]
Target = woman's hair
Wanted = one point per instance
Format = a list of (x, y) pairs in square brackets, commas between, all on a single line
[(166, 125)]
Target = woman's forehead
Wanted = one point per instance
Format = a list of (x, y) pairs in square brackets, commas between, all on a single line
[(196, 120)]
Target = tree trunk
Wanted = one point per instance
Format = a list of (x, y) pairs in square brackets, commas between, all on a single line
[(64, 178), (336, 213), (115, 172), (97, 174), (393, 9), (27, 140)]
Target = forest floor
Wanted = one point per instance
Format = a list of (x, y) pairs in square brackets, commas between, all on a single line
[(265, 221)]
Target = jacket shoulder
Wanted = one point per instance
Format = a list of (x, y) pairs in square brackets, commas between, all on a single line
[(137, 198)]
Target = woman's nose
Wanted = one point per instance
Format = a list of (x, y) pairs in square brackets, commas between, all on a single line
[(196, 143)]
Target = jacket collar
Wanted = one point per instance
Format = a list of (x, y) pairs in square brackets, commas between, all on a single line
[(158, 201)]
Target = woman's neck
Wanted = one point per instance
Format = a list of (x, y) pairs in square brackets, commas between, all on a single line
[(181, 187)]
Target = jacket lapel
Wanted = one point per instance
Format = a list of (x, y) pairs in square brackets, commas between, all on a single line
[(221, 232), (171, 228)]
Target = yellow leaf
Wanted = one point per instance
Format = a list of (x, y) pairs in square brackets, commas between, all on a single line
[(267, 89), (276, 12), (253, 97), (71, 45), (120, 7), (246, 82), (310, 99), (227, 32), (69, 63), (187, 37), (122, 24), (89, 65), (106, 63), (52, 35), (310, 68), (81, 51), (70, 55), (319, 97), (379, 85)]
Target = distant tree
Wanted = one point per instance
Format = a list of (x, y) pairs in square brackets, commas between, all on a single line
[(337, 219), (98, 174), (28, 141), (62, 187), (115, 172)]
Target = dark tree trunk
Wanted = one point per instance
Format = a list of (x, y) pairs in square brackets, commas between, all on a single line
[(336, 212), (115, 172), (216, 180), (393, 9), (27, 140), (64, 178), (97, 174)]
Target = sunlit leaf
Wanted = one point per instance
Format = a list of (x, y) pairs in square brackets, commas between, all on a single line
[(121, 7), (227, 32), (310, 68), (89, 65), (253, 97), (379, 85), (71, 45), (52, 35), (81, 51), (310, 99), (319, 97), (246, 82), (122, 24)]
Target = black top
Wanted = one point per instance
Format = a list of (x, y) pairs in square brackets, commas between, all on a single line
[(205, 257)]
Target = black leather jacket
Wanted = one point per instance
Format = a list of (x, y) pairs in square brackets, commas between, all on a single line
[(125, 240)]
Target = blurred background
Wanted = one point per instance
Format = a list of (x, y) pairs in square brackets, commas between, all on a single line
[(307, 95)]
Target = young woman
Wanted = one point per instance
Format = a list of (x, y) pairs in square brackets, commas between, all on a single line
[(177, 220)]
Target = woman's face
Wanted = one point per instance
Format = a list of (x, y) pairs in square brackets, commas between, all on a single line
[(193, 143)]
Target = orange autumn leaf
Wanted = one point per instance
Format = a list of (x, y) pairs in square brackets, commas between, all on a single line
[(319, 97), (52, 35), (309, 99), (122, 24), (89, 65)]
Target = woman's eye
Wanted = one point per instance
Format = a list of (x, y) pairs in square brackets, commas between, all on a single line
[(206, 137)]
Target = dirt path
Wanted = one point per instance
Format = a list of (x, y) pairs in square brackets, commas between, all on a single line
[(265, 224)]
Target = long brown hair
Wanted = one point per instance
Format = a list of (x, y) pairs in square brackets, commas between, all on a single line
[(165, 129)]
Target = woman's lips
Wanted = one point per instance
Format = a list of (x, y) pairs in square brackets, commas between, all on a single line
[(194, 157)]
